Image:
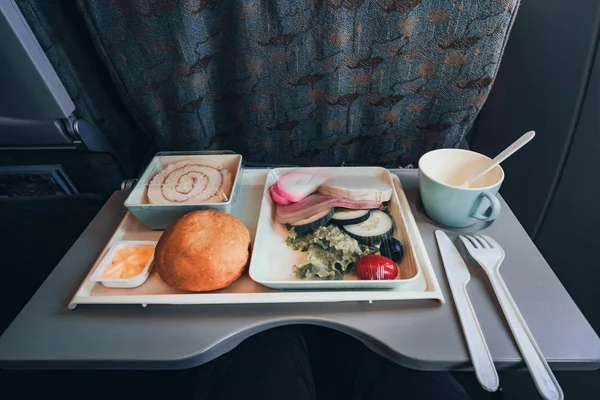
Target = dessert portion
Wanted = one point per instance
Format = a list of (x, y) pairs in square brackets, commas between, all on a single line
[(128, 261), (204, 250), (191, 182), (342, 223)]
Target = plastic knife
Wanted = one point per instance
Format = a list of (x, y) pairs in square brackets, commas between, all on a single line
[(458, 276)]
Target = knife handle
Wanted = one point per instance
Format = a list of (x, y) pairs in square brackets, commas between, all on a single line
[(478, 349), (543, 377)]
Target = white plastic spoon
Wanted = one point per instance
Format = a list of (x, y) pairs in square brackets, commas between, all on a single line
[(509, 151)]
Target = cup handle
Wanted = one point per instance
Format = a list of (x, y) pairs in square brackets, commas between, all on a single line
[(495, 206)]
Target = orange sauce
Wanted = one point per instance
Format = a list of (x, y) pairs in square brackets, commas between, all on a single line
[(128, 261)]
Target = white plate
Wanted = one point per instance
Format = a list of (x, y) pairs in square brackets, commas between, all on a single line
[(272, 260)]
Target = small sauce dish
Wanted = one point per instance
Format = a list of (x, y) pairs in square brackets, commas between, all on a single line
[(127, 264)]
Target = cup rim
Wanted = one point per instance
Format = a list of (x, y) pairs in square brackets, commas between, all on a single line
[(458, 187)]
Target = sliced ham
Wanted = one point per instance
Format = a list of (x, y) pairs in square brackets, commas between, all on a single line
[(316, 204), (357, 188), (355, 204), (306, 208)]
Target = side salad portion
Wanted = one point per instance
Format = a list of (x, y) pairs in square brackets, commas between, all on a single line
[(341, 223)]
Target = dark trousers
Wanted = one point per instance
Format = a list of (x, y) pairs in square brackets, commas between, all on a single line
[(307, 363)]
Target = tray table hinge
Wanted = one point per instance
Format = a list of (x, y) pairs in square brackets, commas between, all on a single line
[(128, 184)]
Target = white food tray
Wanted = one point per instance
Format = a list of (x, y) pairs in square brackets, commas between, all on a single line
[(245, 290)]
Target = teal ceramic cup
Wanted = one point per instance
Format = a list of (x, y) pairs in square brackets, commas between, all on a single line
[(441, 172)]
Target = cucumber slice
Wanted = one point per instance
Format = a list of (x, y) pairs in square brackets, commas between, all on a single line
[(346, 216), (377, 227), (310, 224)]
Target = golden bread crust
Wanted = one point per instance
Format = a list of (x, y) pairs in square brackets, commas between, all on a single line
[(202, 251)]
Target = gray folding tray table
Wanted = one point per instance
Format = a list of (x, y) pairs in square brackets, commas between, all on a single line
[(420, 334)]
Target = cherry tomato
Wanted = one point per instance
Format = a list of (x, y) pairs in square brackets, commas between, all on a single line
[(374, 268)]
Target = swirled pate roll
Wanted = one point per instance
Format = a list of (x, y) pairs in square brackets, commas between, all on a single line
[(191, 182)]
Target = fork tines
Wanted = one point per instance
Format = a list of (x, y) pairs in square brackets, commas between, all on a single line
[(481, 241)]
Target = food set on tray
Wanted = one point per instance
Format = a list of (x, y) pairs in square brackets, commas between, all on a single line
[(345, 233), (341, 223)]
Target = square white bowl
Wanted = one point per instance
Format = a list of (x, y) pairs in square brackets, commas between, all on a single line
[(160, 216)]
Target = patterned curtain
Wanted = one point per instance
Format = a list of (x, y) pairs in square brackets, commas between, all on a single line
[(303, 81)]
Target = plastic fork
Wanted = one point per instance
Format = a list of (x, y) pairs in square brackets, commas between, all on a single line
[(489, 254)]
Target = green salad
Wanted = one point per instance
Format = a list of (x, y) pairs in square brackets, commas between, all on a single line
[(332, 253)]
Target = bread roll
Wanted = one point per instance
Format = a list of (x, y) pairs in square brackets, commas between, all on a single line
[(202, 251)]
